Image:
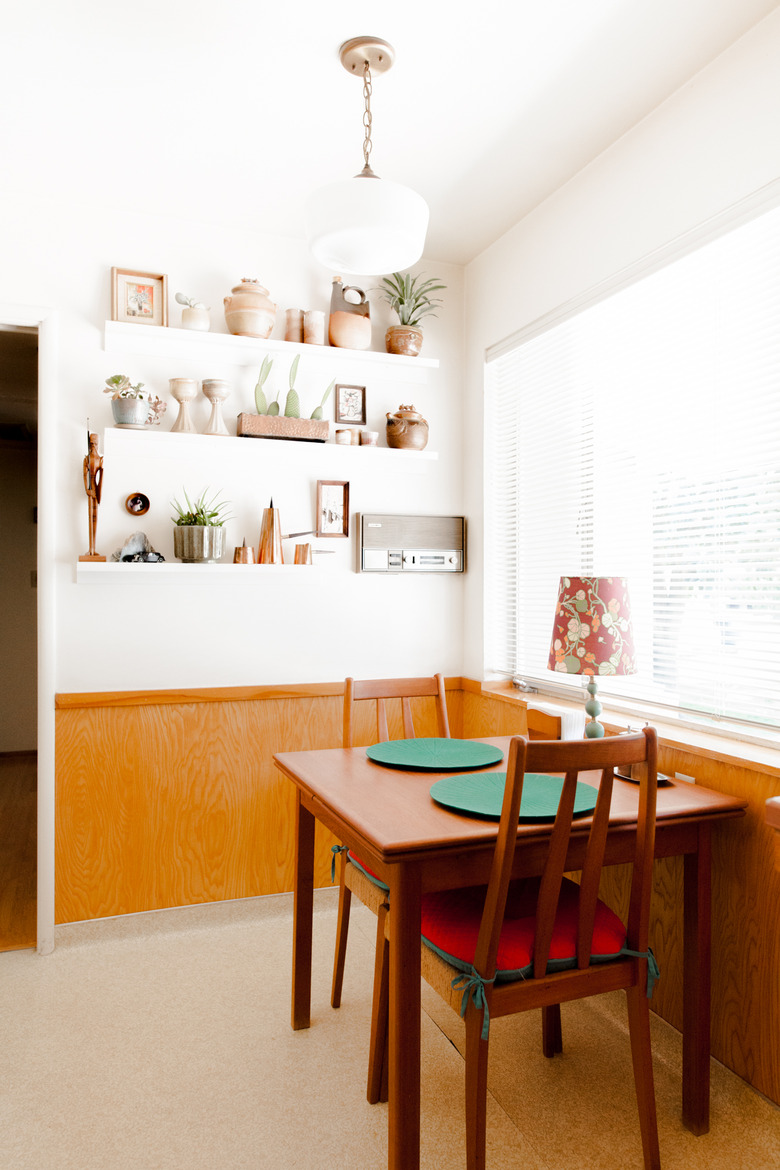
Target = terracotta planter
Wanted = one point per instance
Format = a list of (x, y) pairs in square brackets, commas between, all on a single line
[(404, 339), (277, 426)]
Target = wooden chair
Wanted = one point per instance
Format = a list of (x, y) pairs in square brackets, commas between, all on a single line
[(513, 946), (353, 880)]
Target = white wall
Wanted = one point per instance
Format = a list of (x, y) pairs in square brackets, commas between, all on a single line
[(708, 147), (173, 634)]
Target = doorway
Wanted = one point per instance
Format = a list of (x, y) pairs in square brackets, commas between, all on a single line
[(18, 645)]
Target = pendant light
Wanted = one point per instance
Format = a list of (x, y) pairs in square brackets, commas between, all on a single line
[(366, 226)]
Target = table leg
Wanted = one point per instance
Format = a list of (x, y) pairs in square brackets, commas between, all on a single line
[(404, 1022), (696, 985), (303, 906)]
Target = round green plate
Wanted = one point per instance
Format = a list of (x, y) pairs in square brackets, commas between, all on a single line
[(482, 795), (434, 755)]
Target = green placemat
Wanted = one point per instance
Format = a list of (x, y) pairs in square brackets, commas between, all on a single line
[(481, 795), (434, 754)]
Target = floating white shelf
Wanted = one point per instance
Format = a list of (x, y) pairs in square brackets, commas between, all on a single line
[(153, 442), (190, 345), (98, 572)]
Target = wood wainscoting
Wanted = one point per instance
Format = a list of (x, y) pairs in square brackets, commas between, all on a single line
[(171, 798)]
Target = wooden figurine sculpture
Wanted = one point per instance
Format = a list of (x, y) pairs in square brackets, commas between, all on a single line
[(93, 483)]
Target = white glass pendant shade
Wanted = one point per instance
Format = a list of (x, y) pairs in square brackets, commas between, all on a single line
[(366, 226)]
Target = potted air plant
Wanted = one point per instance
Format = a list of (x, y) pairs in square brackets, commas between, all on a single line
[(410, 297), (131, 405), (198, 534), (194, 315)]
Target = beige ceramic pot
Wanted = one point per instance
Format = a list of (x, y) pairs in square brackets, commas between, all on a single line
[(404, 339), (407, 430), (248, 311)]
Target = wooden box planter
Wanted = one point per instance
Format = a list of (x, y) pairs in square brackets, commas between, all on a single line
[(269, 426)]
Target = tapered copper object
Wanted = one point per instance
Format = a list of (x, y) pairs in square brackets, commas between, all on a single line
[(243, 555), (270, 549), (303, 554)]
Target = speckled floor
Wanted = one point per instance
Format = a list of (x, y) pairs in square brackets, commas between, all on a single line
[(163, 1042)]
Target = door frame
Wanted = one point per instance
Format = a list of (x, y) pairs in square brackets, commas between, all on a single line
[(45, 320)]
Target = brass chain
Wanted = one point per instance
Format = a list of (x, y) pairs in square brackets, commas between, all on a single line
[(367, 144)]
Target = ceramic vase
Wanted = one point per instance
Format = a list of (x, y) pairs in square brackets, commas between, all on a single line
[(194, 318), (248, 311), (349, 326), (216, 391), (184, 390)]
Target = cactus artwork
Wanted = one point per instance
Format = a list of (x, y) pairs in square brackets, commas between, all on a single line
[(317, 412), (260, 399), (292, 408)]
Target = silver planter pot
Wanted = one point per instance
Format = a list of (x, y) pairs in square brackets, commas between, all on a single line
[(196, 544)]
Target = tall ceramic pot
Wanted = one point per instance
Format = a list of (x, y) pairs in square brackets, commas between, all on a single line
[(248, 311)]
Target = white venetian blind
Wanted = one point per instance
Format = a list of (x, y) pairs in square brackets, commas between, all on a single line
[(641, 437)]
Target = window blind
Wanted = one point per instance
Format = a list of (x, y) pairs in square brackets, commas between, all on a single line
[(641, 438)]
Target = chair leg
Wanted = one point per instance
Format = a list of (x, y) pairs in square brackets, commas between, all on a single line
[(642, 1057), (552, 1038), (377, 1053), (476, 1090), (342, 930)]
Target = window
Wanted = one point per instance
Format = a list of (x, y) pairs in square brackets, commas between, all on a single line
[(641, 437)]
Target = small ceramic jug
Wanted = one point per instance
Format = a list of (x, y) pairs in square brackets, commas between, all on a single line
[(350, 322)]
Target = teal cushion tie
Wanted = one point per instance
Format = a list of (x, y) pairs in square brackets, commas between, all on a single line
[(335, 850), (473, 986), (653, 972)]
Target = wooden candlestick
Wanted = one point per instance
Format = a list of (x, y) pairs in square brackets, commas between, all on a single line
[(270, 549)]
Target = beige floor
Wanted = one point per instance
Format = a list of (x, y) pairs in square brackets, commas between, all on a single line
[(163, 1041)]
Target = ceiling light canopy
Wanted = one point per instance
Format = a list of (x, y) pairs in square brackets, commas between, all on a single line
[(366, 226)]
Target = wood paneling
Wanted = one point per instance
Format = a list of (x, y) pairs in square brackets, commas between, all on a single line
[(18, 836), (172, 803)]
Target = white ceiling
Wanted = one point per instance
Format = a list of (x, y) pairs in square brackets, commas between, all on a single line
[(239, 108)]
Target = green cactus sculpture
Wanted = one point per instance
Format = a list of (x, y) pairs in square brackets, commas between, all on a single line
[(317, 412), (292, 408), (260, 399)]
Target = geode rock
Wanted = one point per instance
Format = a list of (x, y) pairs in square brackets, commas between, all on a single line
[(137, 548)]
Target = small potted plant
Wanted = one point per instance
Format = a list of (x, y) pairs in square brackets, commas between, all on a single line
[(198, 534), (194, 315), (131, 405), (410, 297)]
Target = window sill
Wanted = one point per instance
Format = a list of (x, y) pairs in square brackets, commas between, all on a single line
[(757, 757)]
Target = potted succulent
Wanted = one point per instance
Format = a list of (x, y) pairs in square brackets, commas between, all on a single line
[(131, 405), (410, 297), (194, 315), (198, 534), (269, 423)]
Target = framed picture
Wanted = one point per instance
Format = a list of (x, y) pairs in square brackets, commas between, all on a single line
[(351, 404), (332, 507), (141, 297)]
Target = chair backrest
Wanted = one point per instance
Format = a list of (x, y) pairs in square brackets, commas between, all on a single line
[(571, 757), (381, 690)]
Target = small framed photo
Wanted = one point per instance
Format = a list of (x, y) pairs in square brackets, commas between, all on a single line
[(332, 507), (141, 297), (351, 404)]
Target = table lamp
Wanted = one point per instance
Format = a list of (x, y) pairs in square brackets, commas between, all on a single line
[(592, 635)]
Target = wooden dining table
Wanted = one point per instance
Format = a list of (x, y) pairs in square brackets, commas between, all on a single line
[(414, 845)]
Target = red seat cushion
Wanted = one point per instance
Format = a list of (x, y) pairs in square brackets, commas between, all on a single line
[(372, 877), (451, 920)]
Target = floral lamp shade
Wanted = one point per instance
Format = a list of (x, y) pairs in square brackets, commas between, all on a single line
[(592, 634)]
